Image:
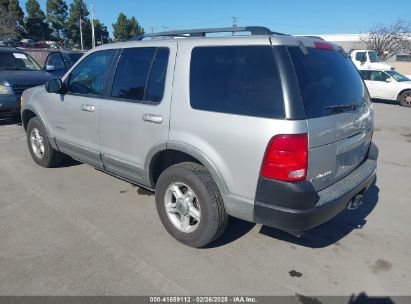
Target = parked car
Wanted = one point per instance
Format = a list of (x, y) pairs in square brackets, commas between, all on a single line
[(18, 71), (59, 62), (388, 84), (267, 127), (368, 59)]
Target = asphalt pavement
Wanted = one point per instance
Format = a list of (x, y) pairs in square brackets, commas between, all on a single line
[(76, 231)]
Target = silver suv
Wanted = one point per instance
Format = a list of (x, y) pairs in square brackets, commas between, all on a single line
[(265, 127)]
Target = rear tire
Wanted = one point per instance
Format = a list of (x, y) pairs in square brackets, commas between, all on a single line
[(404, 99), (39, 145), (190, 205)]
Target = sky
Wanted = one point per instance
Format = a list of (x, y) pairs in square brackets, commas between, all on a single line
[(297, 17)]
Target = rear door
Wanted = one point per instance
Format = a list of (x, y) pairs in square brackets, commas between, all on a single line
[(337, 109), (134, 116)]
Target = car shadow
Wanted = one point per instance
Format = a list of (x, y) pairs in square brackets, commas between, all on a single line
[(236, 229), (334, 230), (10, 121), (386, 101), (361, 298), (69, 162)]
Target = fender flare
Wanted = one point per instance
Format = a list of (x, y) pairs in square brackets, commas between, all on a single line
[(193, 152)]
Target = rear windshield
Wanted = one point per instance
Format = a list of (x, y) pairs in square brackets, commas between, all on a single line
[(241, 80), (327, 79)]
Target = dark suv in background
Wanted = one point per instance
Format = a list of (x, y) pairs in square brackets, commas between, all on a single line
[(59, 62), (18, 72)]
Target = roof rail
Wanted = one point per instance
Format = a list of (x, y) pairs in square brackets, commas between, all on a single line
[(254, 30)]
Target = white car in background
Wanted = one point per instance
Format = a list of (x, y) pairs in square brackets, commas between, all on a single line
[(368, 60), (389, 85)]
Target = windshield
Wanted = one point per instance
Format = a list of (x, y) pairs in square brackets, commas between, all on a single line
[(329, 82), (397, 76), (373, 56), (17, 61)]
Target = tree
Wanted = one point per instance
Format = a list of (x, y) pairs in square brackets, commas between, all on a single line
[(78, 9), (16, 11), (4, 5), (389, 40), (134, 27), (35, 23), (56, 15), (8, 28), (125, 29), (101, 32)]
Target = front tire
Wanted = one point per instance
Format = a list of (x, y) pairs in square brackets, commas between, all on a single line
[(39, 145), (190, 205), (405, 99)]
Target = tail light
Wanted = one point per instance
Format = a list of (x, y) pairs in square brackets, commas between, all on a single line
[(285, 158)]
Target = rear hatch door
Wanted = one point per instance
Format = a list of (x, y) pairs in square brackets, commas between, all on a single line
[(338, 113)]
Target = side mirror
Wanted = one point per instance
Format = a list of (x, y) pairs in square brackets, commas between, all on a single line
[(55, 86), (388, 80), (50, 68)]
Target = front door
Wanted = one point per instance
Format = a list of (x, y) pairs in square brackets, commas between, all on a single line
[(75, 114), (134, 116)]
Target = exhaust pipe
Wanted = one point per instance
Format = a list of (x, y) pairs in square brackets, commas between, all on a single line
[(356, 202)]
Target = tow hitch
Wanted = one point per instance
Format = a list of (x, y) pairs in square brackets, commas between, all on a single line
[(355, 202)]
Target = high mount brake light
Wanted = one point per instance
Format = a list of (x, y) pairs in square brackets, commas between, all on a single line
[(285, 158), (323, 46)]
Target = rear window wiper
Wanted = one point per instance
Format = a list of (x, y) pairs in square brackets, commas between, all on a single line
[(341, 107)]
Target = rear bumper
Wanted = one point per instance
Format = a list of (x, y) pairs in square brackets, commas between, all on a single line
[(9, 105), (315, 207)]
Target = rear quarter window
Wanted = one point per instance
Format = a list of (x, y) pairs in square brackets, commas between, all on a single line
[(240, 80)]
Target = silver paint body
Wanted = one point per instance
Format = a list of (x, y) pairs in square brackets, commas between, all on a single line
[(122, 137)]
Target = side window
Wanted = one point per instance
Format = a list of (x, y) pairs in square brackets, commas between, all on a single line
[(56, 60), (88, 76), (157, 79), (141, 74), (360, 56), (379, 76), (240, 80), (365, 75)]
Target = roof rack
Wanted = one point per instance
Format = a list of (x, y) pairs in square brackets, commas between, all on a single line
[(254, 30)]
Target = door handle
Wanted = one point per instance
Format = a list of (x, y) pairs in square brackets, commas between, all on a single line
[(88, 108), (153, 118)]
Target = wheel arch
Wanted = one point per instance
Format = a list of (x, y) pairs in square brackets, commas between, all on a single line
[(26, 115), (402, 91), (29, 113), (174, 153)]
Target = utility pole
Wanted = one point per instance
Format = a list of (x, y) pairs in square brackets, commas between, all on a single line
[(81, 33), (164, 28), (235, 21), (152, 29), (93, 37)]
